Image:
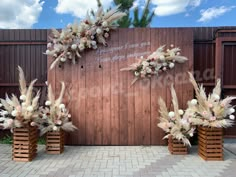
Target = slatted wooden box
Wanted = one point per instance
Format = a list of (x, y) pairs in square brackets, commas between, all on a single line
[(55, 142), (176, 147), (24, 148), (210, 143)]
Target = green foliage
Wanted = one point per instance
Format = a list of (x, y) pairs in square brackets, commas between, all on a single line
[(42, 140), (146, 17), (6, 140), (125, 6)]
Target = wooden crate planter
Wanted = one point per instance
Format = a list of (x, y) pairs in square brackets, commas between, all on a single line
[(177, 147), (55, 142), (210, 143), (24, 148)]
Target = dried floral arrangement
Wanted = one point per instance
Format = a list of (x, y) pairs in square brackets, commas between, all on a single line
[(54, 116), (20, 112), (68, 44), (175, 123), (210, 110), (156, 63)]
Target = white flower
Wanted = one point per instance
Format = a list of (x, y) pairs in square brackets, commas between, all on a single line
[(232, 117), (49, 45), (47, 52), (14, 113), (216, 97), (171, 114), (164, 64), (164, 68), (68, 53), (107, 29), (73, 46), (191, 134), (172, 45), (62, 59), (136, 73), (33, 124), (98, 31), (94, 43), (92, 37), (231, 110), (104, 24), (54, 128), (148, 70), (69, 115), (162, 57), (23, 97), (61, 106), (193, 102), (59, 122), (171, 65), (30, 108), (44, 116), (4, 113), (144, 63), (181, 112), (48, 103), (0, 105)]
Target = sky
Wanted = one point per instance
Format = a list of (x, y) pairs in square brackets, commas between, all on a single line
[(43, 14)]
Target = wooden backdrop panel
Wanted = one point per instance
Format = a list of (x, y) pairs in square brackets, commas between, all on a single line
[(104, 106)]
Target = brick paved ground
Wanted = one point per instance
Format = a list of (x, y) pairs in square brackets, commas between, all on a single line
[(136, 161)]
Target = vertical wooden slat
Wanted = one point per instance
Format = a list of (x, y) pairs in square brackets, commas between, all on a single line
[(130, 89), (146, 94), (97, 91), (115, 91), (80, 100), (123, 84)]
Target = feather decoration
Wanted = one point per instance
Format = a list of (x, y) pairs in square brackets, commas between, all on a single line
[(22, 81), (59, 100), (29, 93)]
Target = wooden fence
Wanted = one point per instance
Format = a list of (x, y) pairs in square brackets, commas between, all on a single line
[(26, 47), (104, 106)]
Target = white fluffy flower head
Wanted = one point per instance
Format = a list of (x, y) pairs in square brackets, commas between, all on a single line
[(23, 97), (193, 102), (181, 112), (171, 114), (48, 103), (14, 113)]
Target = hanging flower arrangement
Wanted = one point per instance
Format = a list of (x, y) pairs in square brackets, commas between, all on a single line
[(54, 116), (68, 44), (16, 112), (158, 62), (176, 123), (211, 111)]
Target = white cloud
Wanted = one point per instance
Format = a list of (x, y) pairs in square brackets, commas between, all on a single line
[(213, 12), (79, 8), (171, 7), (19, 13)]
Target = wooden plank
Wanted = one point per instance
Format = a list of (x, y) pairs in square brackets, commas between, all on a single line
[(105, 60), (130, 89), (97, 92), (80, 102), (139, 37), (115, 90), (90, 98), (123, 88), (146, 93)]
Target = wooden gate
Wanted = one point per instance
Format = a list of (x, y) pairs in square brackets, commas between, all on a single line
[(225, 65), (104, 106)]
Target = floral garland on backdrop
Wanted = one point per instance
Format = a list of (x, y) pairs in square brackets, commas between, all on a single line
[(156, 63), (175, 123), (54, 116), (68, 44), (210, 110), (16, 112)]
